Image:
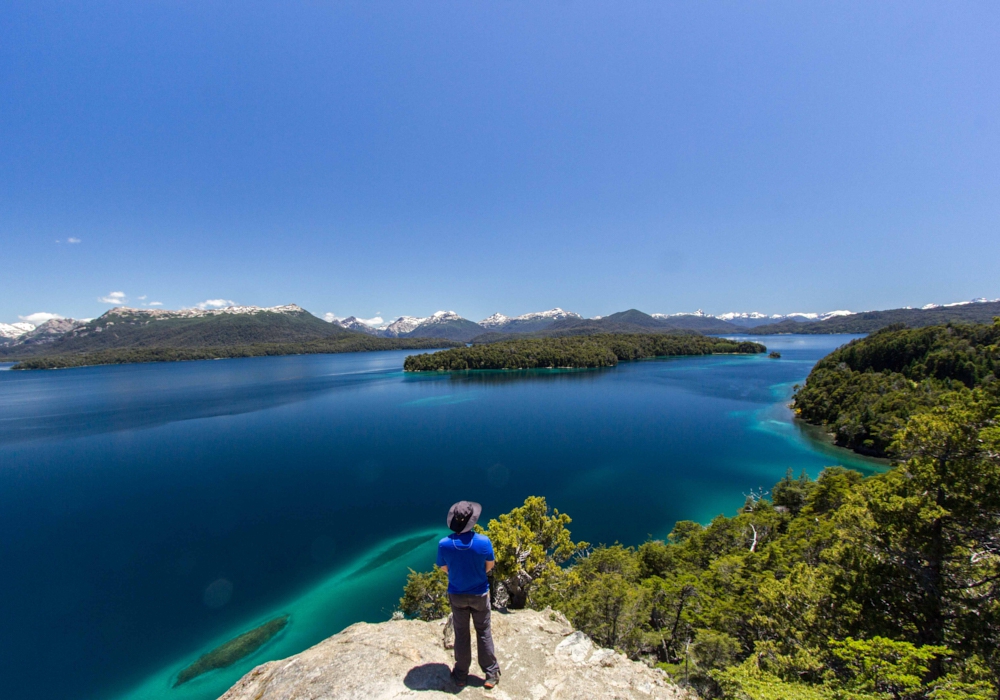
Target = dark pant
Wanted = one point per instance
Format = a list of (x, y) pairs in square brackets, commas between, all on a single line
[(478, 608)]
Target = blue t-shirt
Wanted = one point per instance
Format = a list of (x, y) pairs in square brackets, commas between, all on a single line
[(465, 556)]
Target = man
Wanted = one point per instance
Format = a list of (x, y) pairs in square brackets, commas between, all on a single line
[(467, 557)]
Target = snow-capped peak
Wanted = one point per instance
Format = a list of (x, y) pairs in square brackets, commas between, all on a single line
[(699, 312), (353, 323), (197, 313), (729, 316), (403, 324), (555, 314), (442, 317), (497, 319), (977, 300), (15, 330)]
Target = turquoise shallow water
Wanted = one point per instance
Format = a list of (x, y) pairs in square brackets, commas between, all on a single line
[(153, 512)]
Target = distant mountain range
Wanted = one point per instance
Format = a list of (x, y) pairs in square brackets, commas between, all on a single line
[(753, 319), (977, 311), (454, 326), (448, 324), (124, 328), (141, 335)]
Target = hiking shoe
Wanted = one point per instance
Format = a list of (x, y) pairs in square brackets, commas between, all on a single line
[(460, 682), (491, 683)]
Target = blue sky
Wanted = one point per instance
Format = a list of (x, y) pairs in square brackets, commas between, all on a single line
[(399, 158)]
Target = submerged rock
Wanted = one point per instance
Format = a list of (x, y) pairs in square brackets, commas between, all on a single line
[(540, 655), (232, 651)]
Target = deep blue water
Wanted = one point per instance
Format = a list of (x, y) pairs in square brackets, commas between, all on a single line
[(150, 512)]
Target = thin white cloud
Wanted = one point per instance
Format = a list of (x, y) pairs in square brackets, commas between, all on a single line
[(113, 298), (142, 298), (330, 317), (72, 240), (39, 318), (155, 303), (215, 304)]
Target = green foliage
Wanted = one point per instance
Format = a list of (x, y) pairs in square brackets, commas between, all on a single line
[(603, 350), (792, 493), (425, 595), (884, 666), (865, 392), (935, 554), (748, 682), (528, 543), (600, 594), (970, 680)]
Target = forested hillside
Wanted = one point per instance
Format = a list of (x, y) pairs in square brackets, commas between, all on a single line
[(125, 335), (454, 329), (842, 588), (353, 342), (133, 329), (603, 350), (864, 392)]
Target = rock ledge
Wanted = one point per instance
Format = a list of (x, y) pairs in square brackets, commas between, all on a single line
[(540, 654)]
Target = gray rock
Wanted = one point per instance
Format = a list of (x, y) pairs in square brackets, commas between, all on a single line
[(576, 646), (541, 657)]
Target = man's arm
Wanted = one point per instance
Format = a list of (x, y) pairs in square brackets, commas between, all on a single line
[(441, 561), (490, 561)]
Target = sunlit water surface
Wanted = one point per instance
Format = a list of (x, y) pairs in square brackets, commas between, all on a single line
[(152, 512)]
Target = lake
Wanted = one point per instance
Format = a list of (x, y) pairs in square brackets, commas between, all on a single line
[(153, 512)]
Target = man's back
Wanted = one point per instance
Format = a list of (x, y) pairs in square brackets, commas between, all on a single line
[(466, 555)]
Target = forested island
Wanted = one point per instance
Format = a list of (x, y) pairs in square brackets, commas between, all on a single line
[(839, 588), (355, 342), (601, 350), (865, 391)]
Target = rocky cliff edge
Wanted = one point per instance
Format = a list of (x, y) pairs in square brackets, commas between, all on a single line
[(540, 655)]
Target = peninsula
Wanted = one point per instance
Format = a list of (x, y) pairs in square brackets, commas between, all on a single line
[(865, 392)]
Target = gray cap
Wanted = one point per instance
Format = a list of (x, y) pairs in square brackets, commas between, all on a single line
[(463, 516)]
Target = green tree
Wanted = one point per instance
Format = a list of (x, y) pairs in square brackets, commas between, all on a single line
[(885, 666), (425, 595), (528, 542), (929, 535)]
